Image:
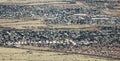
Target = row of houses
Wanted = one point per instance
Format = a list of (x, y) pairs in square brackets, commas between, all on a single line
[(53, 14), (58, 37), (84, 19)]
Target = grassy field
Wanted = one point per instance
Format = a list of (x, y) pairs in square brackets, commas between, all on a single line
[(34, 24), (12, 54)]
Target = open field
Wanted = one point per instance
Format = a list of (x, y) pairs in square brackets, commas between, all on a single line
[(23, 24), (22, 1), (19, 24), (12, 54), (39, 24), (112, 12), (36, 2), (58, 4)]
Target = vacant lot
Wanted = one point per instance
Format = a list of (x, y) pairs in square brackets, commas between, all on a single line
[(12, 54)]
